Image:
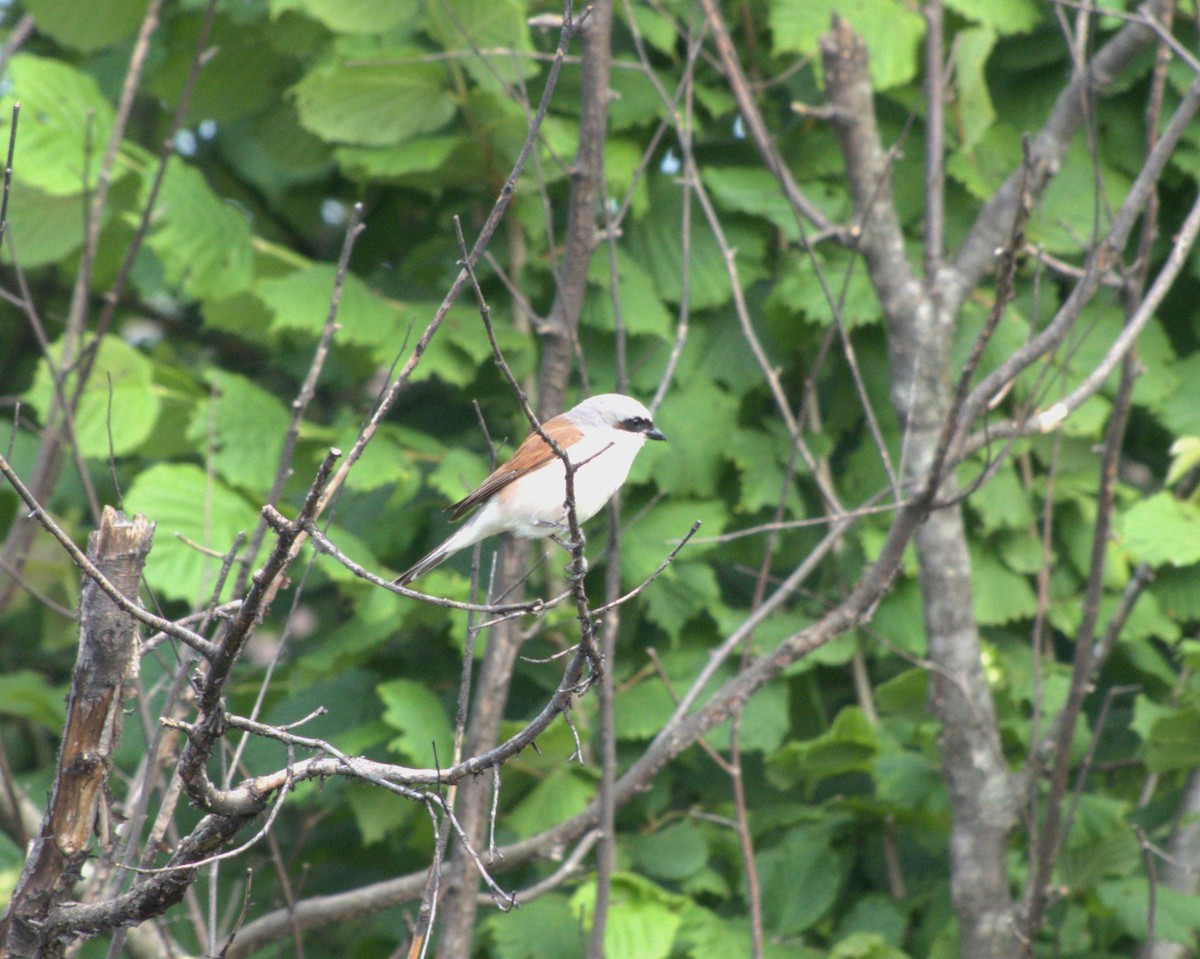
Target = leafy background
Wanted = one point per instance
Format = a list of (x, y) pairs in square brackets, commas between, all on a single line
[(307, 106)]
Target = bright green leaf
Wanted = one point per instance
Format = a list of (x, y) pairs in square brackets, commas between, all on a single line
[(119, 400), (28, 695), (891, 29), (425, 734), (182, 500), (1162, 531), (355, 103)]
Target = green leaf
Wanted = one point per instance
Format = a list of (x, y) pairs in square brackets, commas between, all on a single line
[(1185, 456), (300, 301), (27, 695), (891, 29), (202, 241), (1176, 914), (87, 26), (765, 720), (1162, 531), (558, 797), (1002, 502), (355, 103), (181, 499), (1172, 741), (865, 945), (378, 812), (681, 592), (642, 710), (752, 190), (120, 397), (1178, 592), (642, 312), (62, 112), (805, 859), (247, 425), (1101, 843), (354, 16), (671, 854), (849, 745), (705, 935), (494, 31), (692, 460), (545, 926), (1000, 595), (420, 155), (1006, 17), (642, 918), (417, 714), (656, 242), (973, 106)]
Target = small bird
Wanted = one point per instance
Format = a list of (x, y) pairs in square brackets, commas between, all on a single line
[(527, 495)]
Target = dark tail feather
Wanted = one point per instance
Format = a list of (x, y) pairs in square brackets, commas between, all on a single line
[(436, 558)]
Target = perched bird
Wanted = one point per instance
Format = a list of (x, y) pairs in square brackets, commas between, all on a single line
[(527, 495)]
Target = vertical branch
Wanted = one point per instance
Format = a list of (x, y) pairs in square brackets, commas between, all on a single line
[(561, 325), (107, 657), (1051, 835), (935, 131)]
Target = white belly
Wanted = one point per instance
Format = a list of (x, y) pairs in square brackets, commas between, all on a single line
[(539, 498)]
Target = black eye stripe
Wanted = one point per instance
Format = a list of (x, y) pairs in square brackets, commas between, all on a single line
[(635, 424)]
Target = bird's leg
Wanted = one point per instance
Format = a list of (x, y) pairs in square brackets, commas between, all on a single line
[(573, 570)]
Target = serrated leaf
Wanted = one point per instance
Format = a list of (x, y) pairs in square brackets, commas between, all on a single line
[(300, 301), (1000, 595), (1172, 741), (202, 241), (558, 797), (765, 721), (973, 106), (642, 710), (119, 399), (27, 695), (1006, 17), (1185, 456), (1176, 914), (891, 29), (181, 499), (62, 111), (247, 426), (642, 918), (1162, 531), (378, 812), (866, 945), (495, 31), (672, 854), (355, 103), (420, 155), (545, 926), (849, 745), (805, 859), (656, 242), (642, 312), (418, 715), (354, 16), (692, 466)]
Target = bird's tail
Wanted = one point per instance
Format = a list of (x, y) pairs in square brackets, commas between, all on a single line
[(436, 558), (467, 535)]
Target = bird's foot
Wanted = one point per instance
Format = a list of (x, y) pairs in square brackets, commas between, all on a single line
[(575, 570)]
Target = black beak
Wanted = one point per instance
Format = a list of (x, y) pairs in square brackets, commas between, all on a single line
[(654, 433)]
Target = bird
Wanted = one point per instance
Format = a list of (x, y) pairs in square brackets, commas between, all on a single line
[(526, 496)]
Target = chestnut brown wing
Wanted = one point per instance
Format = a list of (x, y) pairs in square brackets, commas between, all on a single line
[(532, 454)]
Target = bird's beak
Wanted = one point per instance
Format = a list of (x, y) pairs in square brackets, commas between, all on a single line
[(654, 433)]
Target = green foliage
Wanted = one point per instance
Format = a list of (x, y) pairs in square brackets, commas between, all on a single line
[(417, 108)]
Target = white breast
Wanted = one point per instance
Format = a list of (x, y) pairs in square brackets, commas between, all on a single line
[(535, 503)]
